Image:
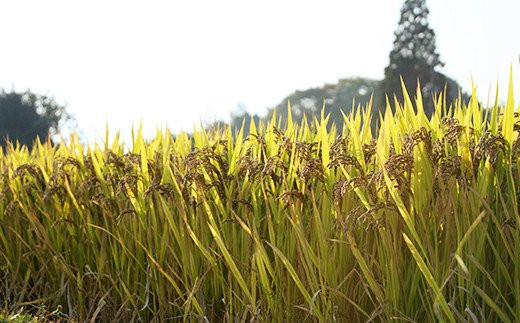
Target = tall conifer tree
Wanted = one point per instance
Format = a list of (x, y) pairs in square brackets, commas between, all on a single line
[(414, 56)]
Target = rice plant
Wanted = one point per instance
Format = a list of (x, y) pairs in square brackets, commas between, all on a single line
[(418, 222)]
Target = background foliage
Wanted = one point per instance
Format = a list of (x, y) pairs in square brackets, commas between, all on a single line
[(413, 58), (27, 116)]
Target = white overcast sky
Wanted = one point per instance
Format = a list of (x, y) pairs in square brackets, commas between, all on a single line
[(176, 63)]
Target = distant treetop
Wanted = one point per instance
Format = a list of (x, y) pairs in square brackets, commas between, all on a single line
[(414, 57), (26, 116)]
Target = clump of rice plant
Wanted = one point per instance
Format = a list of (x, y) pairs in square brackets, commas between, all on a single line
[(419, 222)]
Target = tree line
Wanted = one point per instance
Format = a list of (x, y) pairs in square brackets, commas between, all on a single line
[(414, 57), (25, 116)]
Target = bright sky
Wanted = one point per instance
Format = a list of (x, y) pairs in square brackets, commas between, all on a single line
[(176, 63)]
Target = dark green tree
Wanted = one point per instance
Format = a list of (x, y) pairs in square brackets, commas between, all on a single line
[(26, 116), (414, 57)]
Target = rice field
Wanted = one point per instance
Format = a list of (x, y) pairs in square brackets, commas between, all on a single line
[(417, 221)]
